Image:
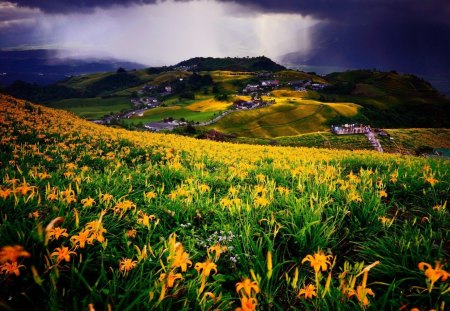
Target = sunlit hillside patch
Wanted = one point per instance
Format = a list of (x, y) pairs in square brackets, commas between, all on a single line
[(94, 217), (345, 109), (225, 76), (209, 105), (288, 116)]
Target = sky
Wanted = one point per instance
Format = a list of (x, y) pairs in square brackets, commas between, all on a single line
[(404, 35)]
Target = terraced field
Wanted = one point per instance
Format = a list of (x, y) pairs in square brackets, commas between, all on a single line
[(290, 115)]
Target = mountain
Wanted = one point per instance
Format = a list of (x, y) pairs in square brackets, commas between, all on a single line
[(45, 67), (252, 64)]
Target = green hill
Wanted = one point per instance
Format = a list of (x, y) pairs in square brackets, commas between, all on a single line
[(388, 99), (381, 99), (251, 64)]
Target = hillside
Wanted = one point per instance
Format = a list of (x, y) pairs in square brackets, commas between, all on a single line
[(104, 218), (389, 99), (407, 141), (296, 103)]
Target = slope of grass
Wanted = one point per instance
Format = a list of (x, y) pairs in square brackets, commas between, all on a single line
[(93, 108), (103, 218), (290, 115), (209, 105)]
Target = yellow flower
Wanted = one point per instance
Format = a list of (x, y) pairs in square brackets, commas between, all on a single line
[(12, 253), (131, 233), (52, 196), (247, 286), (261, 201), (204, 188), (88, 202), (319, 261), (382, 194), (124, 206), (431, 180), (247, 304), (170, 278), (106, 197), (62, 253), (127, 265), (308, 291), (11, 268), (361, 293), (145, 219), (150, 195), (56, 233), (434, 274), (81, 239), (71, 166), (5, 193), (95, 227), (178, 257), (206, 267), (217, 249)]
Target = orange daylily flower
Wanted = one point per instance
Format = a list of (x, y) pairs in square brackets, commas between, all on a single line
[(434, 274), (206, 267), (247, 304), (127, 265), (88, 202), (308, 291), (170, 278), (217, 249), (247, 286), (81, 239), (62, 253), (11, 268), (12, 253), (319, 261), (361, 293), (56, 233)]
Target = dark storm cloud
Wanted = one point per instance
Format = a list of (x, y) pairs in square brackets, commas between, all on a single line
[(71, 6), (329, 9), (409, 35)]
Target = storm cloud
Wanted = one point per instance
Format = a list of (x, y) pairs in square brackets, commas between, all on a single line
[(408, 35)]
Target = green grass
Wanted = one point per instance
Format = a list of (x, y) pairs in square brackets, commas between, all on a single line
[(158, 114), (93, 108), (267, 209)]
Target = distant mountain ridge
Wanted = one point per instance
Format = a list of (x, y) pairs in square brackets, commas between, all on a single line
[(46, 66)]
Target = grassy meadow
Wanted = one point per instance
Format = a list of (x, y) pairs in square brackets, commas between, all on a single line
[(99, 218), (93, 108)]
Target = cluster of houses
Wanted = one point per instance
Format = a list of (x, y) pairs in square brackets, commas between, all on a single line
[(352, 129), (303, 85), (251, 104), (349, 129), (147, 96), (262, 86)]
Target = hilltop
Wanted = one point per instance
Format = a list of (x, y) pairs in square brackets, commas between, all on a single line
[(105, 218), (250, 64)]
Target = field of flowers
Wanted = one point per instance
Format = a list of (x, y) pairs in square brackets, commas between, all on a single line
[(96, 218)]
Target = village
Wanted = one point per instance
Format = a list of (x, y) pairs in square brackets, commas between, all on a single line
[(355, 129), (151, 96)]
